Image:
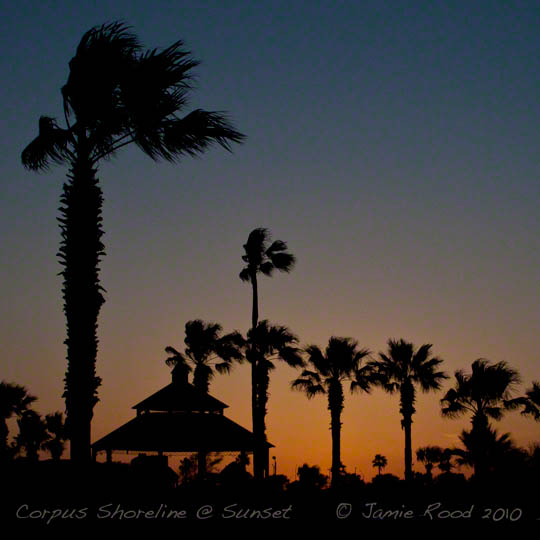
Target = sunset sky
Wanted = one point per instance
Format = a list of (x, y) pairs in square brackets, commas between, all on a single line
[(394, 145)]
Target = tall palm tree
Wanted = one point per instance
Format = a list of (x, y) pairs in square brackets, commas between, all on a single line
[(207, 351), (484, 393), (116, 94), (14, 400), (273, 343), (379, 462), (429, 456), (399, 371), (261, 257), (340, 362)]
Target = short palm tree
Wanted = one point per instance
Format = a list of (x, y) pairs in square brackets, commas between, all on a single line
[(207, 351), (32, 434), (429, 456), (483, 451), (261, 257), (115, 95), (399, 371), (273, 343), (340, 362), (379, 462), (57, 435), (484, 393), (14, 400)]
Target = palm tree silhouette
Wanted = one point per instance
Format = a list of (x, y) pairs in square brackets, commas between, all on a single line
[(263, 257), (14, 400), (32, 434), (205, 347), (483, 452), (379, 462), (429, 456), (57, 435), (115, 95), (273, 343), (484, 393), (399, 371), (341, 361)]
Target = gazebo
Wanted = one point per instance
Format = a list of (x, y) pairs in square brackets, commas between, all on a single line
[(178, 418)]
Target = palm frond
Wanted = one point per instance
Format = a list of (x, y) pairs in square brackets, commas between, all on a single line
[(245, 275), (190, 135), (51, 145)]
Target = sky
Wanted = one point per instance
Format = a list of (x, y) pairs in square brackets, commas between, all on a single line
[(392, 145)]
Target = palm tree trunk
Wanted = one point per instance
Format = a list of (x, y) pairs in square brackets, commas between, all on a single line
[(335, 404), (407, 422), (258, 431), (4, 432), (80, 252), (407, 410)]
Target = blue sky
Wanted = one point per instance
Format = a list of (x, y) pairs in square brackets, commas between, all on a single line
[(393, 145)]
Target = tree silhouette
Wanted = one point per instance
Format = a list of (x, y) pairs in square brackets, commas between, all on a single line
[(57, 435), (379, 462), (261, 256), (484, 393), (14, 400), (399, 371), (273, 343), (207, 351), (485, 451), (341, 361), (204, 348), (115, 95), (32, 434), (429, 456)]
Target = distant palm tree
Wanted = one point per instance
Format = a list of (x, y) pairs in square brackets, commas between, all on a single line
[(261, 257), (207, 351), (32, 434), (273, 343), (484, 393), (340, 362), (115, 95), (379, 462), (429, 456), (57, 435), (14, 400), (399, 371), (531, 401)]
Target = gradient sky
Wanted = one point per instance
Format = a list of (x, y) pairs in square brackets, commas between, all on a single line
[(393, 145)]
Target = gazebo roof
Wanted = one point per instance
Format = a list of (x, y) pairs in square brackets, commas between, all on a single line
[(180, 397), (178, 432)]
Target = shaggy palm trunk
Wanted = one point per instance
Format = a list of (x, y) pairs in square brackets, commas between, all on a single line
[(258, 430), (335, 404), (4, 432), (407, 411), (80, 252)]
